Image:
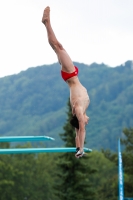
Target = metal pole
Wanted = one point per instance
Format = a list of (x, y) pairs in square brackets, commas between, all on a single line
[(120, 173)]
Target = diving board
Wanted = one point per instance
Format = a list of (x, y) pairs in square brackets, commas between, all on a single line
[(39, 150), (24, 138)]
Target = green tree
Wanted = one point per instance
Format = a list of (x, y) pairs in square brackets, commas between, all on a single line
[(26, 176), (33, 176), (106, 179), (128, 161), (127, 156), (6, 175), (73, 174)]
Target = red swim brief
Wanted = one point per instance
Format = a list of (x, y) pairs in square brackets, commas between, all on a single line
[(66, 75)]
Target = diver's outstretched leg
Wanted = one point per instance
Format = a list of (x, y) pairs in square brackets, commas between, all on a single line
[(63, 57)]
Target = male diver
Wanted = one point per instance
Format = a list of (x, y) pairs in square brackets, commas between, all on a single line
[(79, 98)]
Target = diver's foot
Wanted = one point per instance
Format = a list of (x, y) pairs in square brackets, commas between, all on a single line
[(46, 15)]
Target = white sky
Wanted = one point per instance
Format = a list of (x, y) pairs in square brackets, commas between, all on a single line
[(90, 30)]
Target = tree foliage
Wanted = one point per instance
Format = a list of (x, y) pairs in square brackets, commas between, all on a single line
[(26, 176), (128, 161), (33, 102)]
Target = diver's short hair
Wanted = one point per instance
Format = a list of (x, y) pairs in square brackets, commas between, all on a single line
[(74, 122)]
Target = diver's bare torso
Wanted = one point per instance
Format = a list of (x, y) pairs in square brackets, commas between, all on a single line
[(78, 94)]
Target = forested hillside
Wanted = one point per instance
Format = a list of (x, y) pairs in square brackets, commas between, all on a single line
[(34, 102)]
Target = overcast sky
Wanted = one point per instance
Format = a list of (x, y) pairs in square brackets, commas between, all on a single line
[(90, 30)]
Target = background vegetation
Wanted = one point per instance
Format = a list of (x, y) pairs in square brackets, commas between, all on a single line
[(62, 176), (33, 102)]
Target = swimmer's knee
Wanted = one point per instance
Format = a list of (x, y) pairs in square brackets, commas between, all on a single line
[(56, 46)]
